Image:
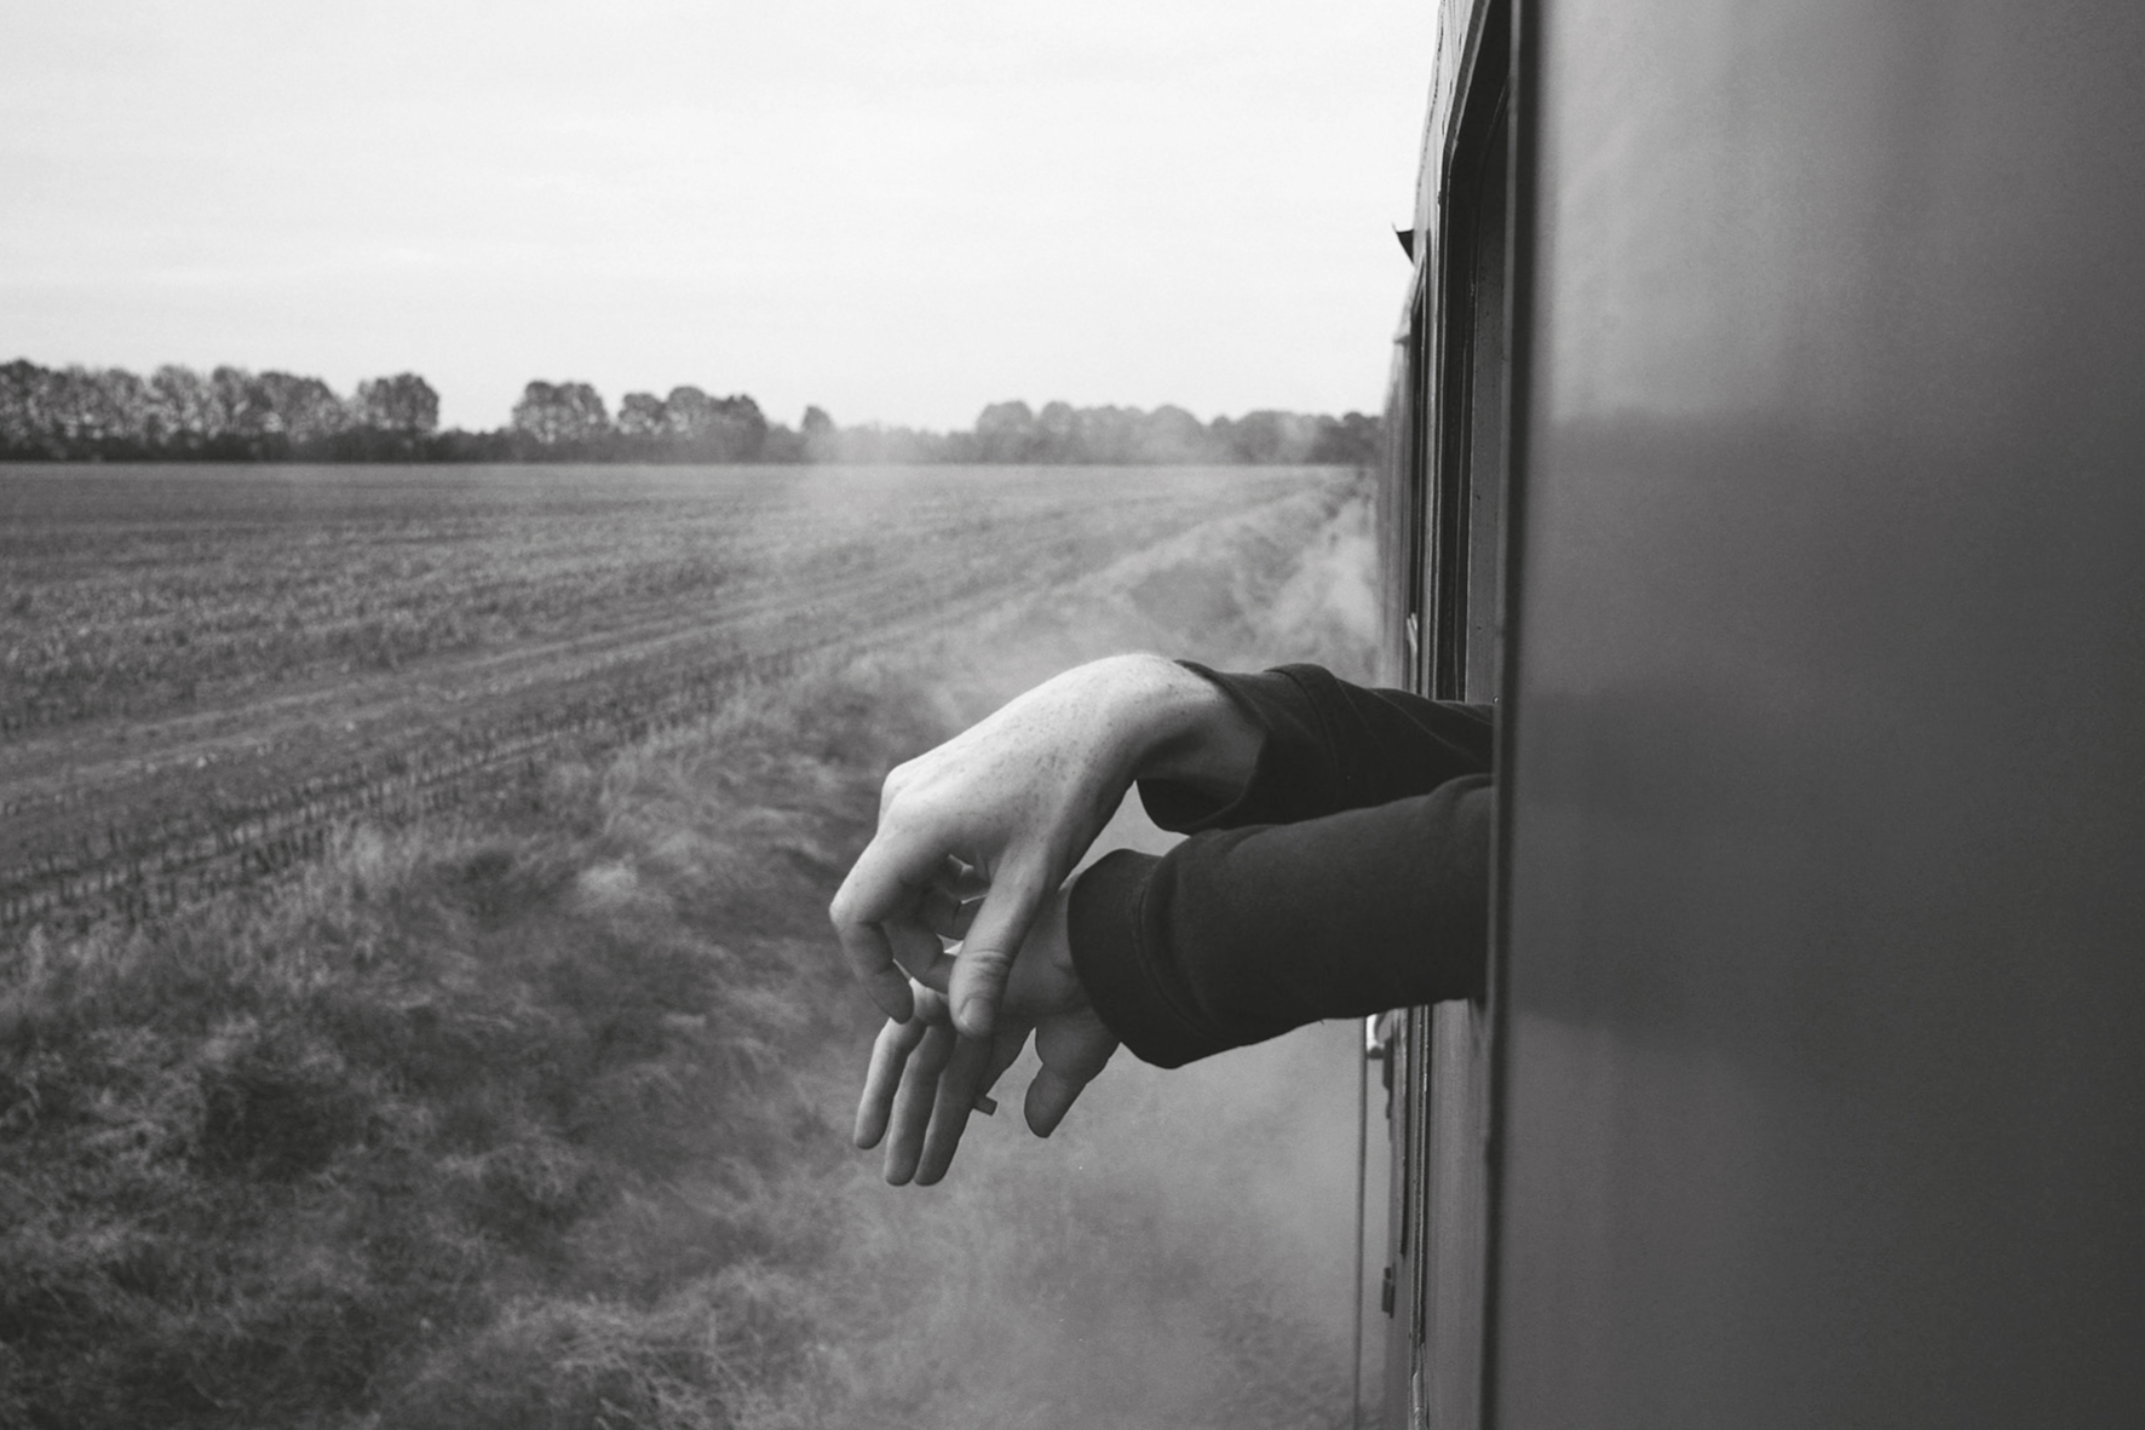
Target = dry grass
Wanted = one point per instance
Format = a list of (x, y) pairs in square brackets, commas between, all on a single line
[(535, 1119), (451, 1103)]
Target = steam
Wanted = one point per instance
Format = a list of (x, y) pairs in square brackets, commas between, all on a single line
[(1181, 1253)]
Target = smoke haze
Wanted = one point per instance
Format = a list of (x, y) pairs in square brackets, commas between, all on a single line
[(1181, 1252)]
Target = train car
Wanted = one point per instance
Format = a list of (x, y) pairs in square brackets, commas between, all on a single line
[(1768, 442)]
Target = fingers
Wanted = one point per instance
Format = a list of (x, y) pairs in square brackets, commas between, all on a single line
[(976, 986), (1005, 1051), (889, 1058), (947, 908), (928, 1076), (914, 1102), (889, 914), (944, 914), (948, 912), (926, 1081), (1050, 1097), (884, 885), (889, 1055), (923, 1085), (1073, 1050), (958, 1088), (916, 947), (974, 1068)]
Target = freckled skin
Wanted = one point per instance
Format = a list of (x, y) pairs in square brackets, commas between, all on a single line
[(1006, 809)]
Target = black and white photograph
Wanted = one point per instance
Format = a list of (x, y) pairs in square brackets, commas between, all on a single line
[(1388, 715)]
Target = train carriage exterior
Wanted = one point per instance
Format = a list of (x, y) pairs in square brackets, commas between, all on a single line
[(1768, 442)]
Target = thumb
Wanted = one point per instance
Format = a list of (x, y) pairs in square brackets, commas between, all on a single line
[(1073, 1049), (977, 985)]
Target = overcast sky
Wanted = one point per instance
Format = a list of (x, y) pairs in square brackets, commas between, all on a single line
[(897, 211)]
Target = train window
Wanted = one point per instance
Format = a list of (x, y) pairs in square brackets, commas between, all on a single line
[(1464, 538), (1455, 459)]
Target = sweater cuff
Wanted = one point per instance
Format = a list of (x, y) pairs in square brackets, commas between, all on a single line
[(1105, 926)]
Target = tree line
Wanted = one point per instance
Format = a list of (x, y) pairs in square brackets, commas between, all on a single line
[(1012, 432), (231, 414)]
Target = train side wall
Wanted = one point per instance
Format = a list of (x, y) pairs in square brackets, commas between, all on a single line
[(1822, 1096)]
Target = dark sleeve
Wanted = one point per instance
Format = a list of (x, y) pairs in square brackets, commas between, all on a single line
[(1329, 746), (1237, 935)]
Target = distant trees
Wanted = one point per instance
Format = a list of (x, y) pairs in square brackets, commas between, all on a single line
[(230, 414), (183, 410), (302, 409), (701, 428), (68, 410), (1005, 432), (402, 403), (568, 419), (1353, 440), (562, 415), (686, 426), (640, 416), (1013, 433)]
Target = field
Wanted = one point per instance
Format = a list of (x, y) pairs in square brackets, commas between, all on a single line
[(204, 670), (417, 1008)]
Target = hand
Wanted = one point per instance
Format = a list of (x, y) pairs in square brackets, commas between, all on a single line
[(925, 1078), (1015, 801)]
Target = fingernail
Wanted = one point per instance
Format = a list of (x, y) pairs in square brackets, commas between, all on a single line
[(976, 1016), (986, 1104)]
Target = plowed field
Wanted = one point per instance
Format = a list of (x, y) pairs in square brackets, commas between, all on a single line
[(204, 669)]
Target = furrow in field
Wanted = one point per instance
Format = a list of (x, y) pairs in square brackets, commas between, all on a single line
[(118, 817)]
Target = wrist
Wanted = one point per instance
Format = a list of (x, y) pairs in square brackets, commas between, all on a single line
[(1138, 710), (1144, 717), (1193, 734)]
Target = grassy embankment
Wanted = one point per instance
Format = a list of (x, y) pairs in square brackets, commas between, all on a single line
[(538, 1122)]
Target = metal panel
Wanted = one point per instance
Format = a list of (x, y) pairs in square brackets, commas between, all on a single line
[(1822, 1095)]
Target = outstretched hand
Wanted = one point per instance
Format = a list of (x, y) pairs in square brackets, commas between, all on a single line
[(975, 842), (1013, 803), (1015, 800), (925, 1078)]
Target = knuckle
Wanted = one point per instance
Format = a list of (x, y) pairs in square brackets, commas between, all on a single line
[(897, 780), (841, 909)]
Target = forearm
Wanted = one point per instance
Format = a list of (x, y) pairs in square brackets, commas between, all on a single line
[(1235, 936), (1321, 745)]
